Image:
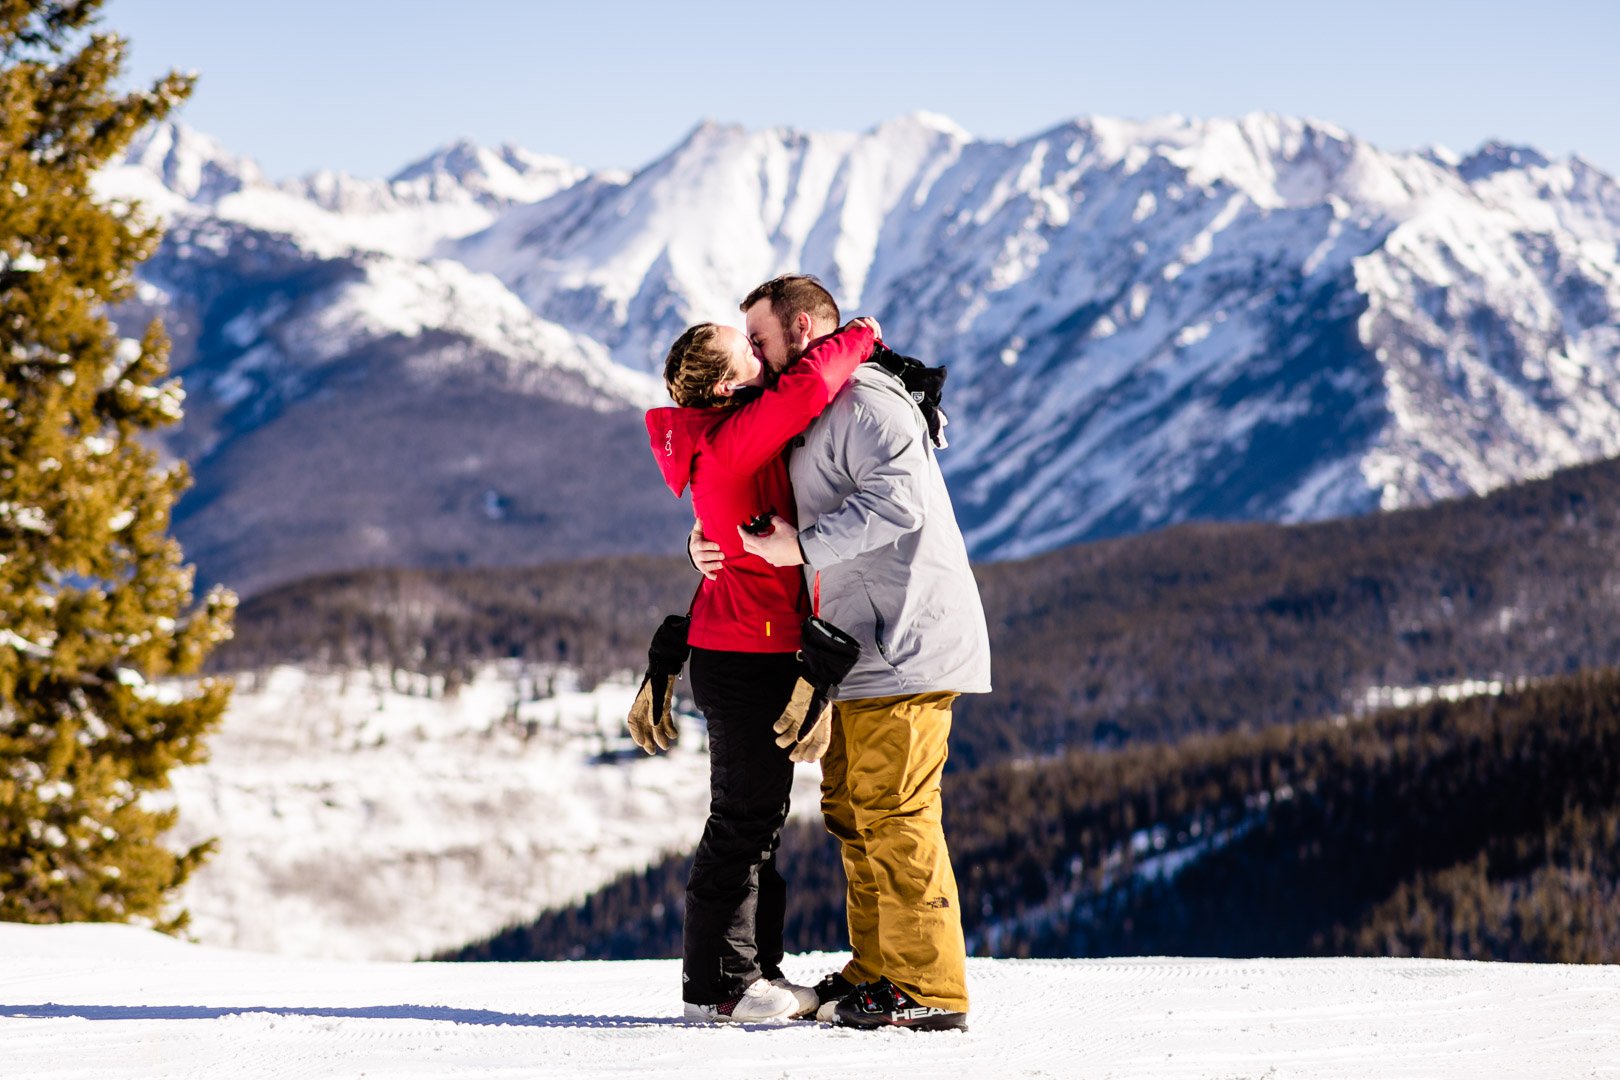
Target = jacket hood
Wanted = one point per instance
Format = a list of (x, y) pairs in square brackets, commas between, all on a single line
[(674, 434)]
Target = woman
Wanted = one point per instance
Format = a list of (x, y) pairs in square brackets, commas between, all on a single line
[(726, 440)]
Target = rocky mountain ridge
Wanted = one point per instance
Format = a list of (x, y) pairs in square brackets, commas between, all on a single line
[(1146, 322)]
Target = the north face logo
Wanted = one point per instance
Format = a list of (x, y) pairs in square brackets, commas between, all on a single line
[(938, 902)]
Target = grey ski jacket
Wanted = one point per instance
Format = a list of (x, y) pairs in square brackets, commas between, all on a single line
[(876, 523)]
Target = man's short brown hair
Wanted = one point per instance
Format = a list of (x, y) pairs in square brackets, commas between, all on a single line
[(791, 294), (695, 364)]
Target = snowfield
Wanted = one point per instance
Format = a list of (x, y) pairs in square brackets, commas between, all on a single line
[(81, 1002), (362, 821)]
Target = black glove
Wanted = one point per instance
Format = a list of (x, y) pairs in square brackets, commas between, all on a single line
[(651, 720), (925, 384)]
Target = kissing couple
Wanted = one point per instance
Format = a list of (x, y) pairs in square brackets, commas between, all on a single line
[(837, 619)]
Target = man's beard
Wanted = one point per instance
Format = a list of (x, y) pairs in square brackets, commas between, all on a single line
[(794, 352)]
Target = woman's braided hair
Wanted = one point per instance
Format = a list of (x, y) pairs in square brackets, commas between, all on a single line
[(696, 363)]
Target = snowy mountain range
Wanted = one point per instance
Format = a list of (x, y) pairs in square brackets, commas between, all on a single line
[(351, 403), (1145, 322)]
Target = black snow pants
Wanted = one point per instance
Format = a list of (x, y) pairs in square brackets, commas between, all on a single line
[(735, 898)]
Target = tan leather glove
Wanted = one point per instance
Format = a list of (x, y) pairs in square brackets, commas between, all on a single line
[(651, 721), (814, 742), (804, 741), (826, 655), (652, 715)]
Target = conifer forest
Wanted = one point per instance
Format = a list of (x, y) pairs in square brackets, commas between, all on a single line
[(1197, 745)]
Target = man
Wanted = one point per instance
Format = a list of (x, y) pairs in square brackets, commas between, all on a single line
[(887, 564)]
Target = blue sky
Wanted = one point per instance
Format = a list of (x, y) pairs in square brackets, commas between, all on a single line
[(367, 85)]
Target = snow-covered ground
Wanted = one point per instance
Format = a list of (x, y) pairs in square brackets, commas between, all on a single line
[(360, 821), (92, 1002)]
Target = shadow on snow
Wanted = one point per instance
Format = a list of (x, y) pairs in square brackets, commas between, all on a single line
[(435, 1013)]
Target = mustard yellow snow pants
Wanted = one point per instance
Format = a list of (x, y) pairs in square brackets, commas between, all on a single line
[(880, 795)]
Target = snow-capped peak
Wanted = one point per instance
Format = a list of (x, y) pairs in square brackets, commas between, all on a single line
[(176, 172), (1441, 155), (191, 164), (506, 175), (706, 134), (925, 121), (460, 158), (1495, 156)]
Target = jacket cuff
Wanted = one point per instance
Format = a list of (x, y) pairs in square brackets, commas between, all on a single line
[(818, 554)]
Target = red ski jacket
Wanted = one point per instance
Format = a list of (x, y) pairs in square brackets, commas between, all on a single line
[(733, 459)]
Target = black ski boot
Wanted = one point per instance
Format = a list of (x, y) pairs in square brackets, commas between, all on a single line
[(883, 1004), (828, 992)]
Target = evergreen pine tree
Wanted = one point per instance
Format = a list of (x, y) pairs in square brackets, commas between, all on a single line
[(94, 597)]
